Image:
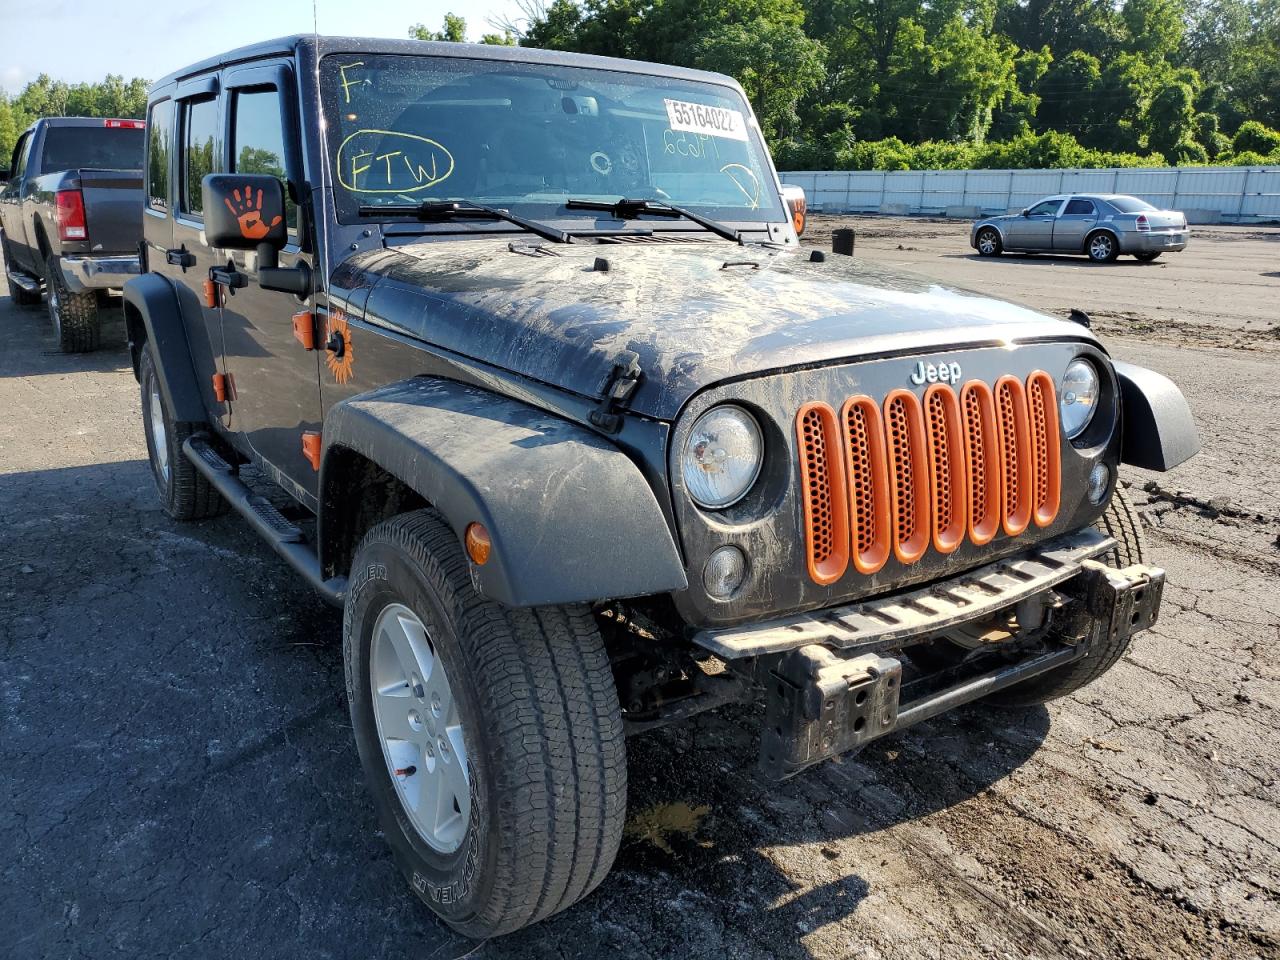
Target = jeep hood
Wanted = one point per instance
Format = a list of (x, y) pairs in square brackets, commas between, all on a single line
[(695, 313)]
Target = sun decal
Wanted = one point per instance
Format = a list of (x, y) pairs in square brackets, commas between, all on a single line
[(341, 357)]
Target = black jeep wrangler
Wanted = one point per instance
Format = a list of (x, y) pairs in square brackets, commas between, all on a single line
[(585, 443)]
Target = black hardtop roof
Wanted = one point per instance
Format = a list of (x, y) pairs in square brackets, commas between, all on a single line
[(432, 48), (73, 121)]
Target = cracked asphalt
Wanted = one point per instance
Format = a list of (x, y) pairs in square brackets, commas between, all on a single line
[(180, 781)]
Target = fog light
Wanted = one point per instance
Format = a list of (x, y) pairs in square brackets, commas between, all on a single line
[(1099, 480), (724, 572)]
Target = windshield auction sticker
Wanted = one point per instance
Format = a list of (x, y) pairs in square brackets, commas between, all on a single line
[(711, 121)]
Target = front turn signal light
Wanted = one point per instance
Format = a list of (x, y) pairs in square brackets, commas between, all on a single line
[(479, 546)]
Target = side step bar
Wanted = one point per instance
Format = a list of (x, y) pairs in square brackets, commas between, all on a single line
[(270, 523), (25, 281)]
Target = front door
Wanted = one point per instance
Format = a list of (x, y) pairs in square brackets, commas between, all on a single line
[(1035, 230), (1077, 219), (276, 379)]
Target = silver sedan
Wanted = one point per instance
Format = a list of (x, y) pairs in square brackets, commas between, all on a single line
[(1101, 226)]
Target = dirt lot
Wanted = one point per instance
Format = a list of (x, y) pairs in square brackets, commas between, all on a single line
[(180, 779)]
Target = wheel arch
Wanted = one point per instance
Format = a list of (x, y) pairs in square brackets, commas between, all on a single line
[(153, 316), (570, 518), (1093, 231)]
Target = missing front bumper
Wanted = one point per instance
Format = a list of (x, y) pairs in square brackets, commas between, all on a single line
[(823, 702)]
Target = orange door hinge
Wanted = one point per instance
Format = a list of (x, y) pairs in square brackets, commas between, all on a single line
[(224, 387), (311, 448), (304, 329), (210, 293)]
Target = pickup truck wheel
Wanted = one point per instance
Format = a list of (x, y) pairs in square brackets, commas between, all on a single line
[(184, 491), (23, 298), (74, 315), (491, 738), (1121, 523)]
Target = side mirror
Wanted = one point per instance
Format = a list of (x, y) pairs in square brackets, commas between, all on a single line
[(1026, 212), (243, 211), (797, 206)]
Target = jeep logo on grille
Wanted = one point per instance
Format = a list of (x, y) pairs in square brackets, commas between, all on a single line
[(935, 373)]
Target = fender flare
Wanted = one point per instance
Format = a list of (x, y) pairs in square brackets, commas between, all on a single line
[(1084, 244), (1158, 430), (570, 516), (155, 302)]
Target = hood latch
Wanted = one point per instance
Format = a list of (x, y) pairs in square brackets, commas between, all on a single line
[(616, 389)]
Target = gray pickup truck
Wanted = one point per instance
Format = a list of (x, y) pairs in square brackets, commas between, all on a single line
[(71, 218)]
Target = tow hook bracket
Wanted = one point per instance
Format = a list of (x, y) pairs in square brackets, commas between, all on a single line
[(821, 703), (1120, 602)]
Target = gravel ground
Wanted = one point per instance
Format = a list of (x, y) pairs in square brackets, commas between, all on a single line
[(180, 779)]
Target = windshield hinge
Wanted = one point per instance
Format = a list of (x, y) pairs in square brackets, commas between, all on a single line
[(616, 390)]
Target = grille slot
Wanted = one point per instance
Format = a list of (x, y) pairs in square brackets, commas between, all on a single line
[(908, 475), (982, 457), (823, 499), (1015, 449), (865, 464), (947, 471), (1042, 418), (891, 479)]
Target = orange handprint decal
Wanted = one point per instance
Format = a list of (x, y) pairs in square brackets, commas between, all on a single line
[(249, 215)]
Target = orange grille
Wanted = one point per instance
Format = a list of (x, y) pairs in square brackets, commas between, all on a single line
[(822, 482), (865, 464), (899, 477)]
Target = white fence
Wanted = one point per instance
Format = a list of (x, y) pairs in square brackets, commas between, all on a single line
[(1205, 194)]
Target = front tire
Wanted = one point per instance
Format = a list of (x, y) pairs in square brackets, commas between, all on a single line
[(988, 242), (184, 491), (1102, 247), (74, 315), (1121, 523), (521, 702)]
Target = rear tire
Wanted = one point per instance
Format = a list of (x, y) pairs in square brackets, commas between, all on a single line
[(537, 716), (1146, 257), (1121, 523), (23, 298), (988, 242), (184, 491), (1101, 247), (74, 315)]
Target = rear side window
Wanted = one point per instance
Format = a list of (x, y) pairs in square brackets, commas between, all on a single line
[(257, 140), (1079, 207), (104, 148), (199, 131), (159, 134)]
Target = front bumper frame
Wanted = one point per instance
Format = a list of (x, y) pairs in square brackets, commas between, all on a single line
[(821, 702)]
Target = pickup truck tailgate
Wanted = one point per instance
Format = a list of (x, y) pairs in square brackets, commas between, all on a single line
[(112, 209)]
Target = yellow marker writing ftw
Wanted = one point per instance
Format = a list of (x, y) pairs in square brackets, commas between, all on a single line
[(388, 161)]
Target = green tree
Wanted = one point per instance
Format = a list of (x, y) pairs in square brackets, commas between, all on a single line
[(453, 31)]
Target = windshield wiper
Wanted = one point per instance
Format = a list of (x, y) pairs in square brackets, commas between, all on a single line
[(626, 209), (454, 210)]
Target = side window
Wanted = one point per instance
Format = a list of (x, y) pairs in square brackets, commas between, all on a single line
[(1046, 208), (257, 140), (199, 132), (20, 156), (1078, 207), (159, 134)]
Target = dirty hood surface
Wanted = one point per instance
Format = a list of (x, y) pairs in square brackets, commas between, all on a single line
[(694, 313)]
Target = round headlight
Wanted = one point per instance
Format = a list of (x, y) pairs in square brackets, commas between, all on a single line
[(1078, 397), (722, 457)]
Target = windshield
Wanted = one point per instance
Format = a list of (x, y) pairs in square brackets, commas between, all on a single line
[(1130, 204), (104, 148), (527, 137)]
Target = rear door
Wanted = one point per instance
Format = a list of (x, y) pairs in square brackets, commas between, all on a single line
[(1035, 230), (1073, 224), (277, 380)]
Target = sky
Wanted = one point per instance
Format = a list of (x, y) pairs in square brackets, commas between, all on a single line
[(84, 40)]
